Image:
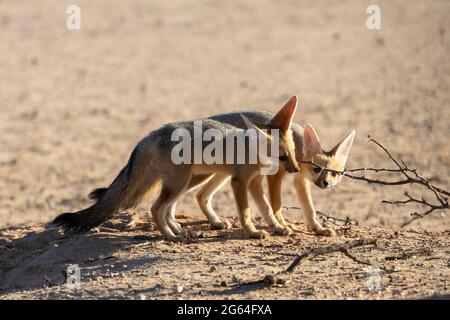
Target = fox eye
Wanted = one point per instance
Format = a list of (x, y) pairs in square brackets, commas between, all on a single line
[(283, 158), (334, 174), (317, 170)]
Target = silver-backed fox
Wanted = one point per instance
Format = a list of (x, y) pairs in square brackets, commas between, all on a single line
[(150, 166)]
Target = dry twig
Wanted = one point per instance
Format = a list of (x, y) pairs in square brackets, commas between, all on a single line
[(271, 280), (408, 254), (409, 176), (344, 248)]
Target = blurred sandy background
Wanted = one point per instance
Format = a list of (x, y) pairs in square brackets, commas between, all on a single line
[(73, 104)]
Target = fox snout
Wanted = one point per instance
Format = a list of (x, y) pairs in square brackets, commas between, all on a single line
[(291, 166), (324, 184)]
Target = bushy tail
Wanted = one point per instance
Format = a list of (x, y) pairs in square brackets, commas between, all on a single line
[(126, 191)]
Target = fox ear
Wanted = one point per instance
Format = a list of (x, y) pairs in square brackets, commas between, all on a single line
[(251, 125), (342, 149), (283, 118), (311, 142)]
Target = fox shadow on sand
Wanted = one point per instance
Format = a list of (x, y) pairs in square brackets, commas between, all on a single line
[(40, 257)]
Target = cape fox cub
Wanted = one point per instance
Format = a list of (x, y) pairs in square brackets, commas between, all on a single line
[(151, 165), (307, 148)]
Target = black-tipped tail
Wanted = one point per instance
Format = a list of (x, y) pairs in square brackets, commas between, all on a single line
[(79, 221), (63, 218)]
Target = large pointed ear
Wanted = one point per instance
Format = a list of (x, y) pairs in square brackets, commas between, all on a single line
[(311, 142), (283, 118), (251, 125), (342, 149)]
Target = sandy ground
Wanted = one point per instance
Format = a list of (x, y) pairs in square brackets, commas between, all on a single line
[(74, 103), (133, 262)]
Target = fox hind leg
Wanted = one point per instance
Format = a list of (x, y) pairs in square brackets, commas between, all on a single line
[(169, 194), (175, 226), (171, 221), (195, 181)]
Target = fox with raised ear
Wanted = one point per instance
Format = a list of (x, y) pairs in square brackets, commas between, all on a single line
[(307, 148), (151, 165)]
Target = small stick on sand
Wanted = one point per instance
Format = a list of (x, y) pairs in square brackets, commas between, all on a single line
[(271, 280), (344, 248)]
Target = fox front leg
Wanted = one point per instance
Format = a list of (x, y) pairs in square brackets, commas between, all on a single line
[(302, 186), (265, 208), (274, 183), (241, 197)]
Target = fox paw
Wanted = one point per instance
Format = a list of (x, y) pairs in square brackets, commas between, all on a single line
[(178, 238), (261, 234), (292, 227), (176, 228), (283, 230), (327, 232), (222, 225), (185, 236)]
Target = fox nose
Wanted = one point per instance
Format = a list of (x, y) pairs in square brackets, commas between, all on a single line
[(325, 183)]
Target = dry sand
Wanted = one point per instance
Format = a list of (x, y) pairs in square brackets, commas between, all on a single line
[(133, 262), (74, 103)]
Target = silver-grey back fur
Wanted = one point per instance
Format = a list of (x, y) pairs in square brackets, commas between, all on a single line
[(261, 119)]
